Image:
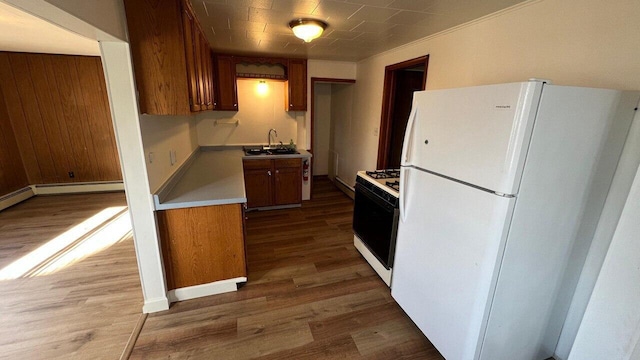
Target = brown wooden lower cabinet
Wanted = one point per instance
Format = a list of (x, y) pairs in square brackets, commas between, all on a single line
[(272, 182), (201, 245)]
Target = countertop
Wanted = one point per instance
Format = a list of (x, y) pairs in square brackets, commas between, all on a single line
[(213, 176)]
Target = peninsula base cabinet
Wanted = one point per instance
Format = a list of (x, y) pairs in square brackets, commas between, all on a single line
[(201, 245), (272, 182)]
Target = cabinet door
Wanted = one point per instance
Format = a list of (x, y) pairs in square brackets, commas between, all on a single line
[(156, 37), (288, 181), (208, 73), (188, 22), (201, 245), (258, 180), (226, 75), (297, 85), (200, 70)]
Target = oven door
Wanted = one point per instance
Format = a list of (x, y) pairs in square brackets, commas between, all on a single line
[(375, 223)]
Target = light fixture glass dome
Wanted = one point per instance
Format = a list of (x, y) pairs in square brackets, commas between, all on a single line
[(307, 29)]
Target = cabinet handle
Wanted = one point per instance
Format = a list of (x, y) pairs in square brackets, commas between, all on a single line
[(235, 105), (269, 172), (277, 171)]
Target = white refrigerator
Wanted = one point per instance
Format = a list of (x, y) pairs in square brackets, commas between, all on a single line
[(497, 183)]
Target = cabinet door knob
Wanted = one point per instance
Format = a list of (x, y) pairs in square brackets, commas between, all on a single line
[(269, 172), (277, 171)]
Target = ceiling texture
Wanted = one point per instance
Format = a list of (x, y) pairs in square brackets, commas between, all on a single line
[(357, 28)]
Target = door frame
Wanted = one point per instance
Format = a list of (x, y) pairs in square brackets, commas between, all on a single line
[(388, 99), (315, 80)]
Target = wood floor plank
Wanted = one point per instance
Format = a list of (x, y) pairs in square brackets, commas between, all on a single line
[(86, 310), (309, 295)]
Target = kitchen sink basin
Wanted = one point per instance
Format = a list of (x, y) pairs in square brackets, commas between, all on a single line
[(264, 150)]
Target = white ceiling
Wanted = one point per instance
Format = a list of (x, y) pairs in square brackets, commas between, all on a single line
[(22, 32), (357, 28)]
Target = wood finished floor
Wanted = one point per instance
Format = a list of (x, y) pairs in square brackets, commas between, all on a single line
[(84, 311), (310, 295)]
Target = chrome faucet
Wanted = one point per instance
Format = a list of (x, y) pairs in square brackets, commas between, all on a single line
[(269, 136)]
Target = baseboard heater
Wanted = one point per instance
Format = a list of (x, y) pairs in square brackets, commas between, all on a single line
[(346, 188), (16, 197), (73, 188), (27, 192)]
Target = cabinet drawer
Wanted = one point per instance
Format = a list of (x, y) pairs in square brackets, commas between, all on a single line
[(256, 164), (287, 163)]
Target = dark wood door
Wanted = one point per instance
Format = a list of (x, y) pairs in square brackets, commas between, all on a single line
[(297, 85), (227, 98), (288, 181), (407, 82)]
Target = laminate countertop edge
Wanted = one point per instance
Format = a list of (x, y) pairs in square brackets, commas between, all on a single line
[(212, 176)]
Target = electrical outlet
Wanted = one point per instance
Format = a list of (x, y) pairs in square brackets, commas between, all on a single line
[(375, 131), (71, 174), (150, 158)]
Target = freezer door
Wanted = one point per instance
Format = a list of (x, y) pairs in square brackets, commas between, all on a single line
[(450, 241), (478, 134)]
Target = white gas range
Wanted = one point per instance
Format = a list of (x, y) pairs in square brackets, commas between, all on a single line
[(375, 218)]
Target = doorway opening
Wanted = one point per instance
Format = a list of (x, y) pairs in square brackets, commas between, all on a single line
[(401, 80), (331, 104)]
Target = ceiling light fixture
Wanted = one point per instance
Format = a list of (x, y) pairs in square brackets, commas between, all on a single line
[(307, 29)]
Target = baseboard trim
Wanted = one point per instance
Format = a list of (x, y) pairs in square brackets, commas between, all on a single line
[(275, 207), (74, 188), (197, 291), (16, 197), (155, 305)]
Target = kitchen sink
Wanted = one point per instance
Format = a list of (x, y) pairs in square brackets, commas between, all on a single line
[(264, 150)]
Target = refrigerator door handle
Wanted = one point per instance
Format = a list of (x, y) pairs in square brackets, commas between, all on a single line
[(404, 175), (408, 137)]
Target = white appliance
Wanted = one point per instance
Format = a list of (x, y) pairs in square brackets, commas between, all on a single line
[(495, 181), (375, 218)]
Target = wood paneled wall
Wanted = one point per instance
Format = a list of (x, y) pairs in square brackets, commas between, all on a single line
[(59, 110), (12, 175)]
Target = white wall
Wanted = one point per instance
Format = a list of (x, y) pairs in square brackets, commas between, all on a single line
[(162, 134), (321, 128), (611, 325), (257, 113), (105, 15)]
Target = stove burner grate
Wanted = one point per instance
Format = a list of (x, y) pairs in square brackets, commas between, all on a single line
[(395, 185), (384, 174)]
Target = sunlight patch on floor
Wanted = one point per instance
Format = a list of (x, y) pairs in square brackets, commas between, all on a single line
[(95, 234)]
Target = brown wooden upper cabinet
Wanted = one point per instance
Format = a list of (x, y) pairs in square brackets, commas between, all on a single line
[(227, 91), (171, 57), (296, 99)]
